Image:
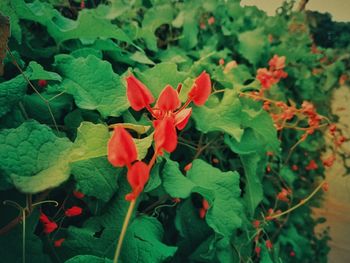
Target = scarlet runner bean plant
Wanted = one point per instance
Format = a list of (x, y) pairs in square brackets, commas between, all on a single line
[(169, 115)]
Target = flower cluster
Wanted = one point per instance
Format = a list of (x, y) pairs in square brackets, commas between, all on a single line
[(274, 74), (168, 116)]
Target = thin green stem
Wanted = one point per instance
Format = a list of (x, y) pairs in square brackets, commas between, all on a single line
[(302, 202), (123, 232), (23, 235)]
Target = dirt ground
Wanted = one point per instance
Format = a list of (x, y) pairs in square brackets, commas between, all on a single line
[(336, 205)]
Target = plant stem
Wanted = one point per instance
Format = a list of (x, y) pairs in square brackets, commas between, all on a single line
[(123, 232), (302, 202)]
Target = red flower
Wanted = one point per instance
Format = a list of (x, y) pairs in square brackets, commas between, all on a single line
[(50, 227), (44, 219), (328, 162), (121, 148), (311, 166), (73, 211), (268, 244), (256, 224), (277, 62), (165, 136), (257, 250), (187, 167), (137, 176), (168, 99), (283, 195), (203, 210), (58, 242), (138, 94), (211, 20), (182, 117), (201, 89), (42, 83), (78, 194), (265, 77)]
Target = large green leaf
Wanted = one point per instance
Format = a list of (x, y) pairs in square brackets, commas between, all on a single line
[(220, 189), (249, 47), (11, 92), (144, 242), (161, 75), (88, 259), (34, 157), (59, 27), (224, 116), (37, 72), (93, 84), (96, 177)]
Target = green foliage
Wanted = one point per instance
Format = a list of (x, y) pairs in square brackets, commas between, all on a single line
[(53, 137)]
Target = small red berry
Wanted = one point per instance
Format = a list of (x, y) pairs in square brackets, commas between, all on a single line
[(268, 244), (78, 194), (256, 223), (257, 250), (292, 253)]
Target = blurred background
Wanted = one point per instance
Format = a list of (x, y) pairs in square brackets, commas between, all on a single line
[(336, 204)]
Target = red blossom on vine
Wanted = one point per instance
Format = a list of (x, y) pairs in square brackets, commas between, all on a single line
[(203, 210), (311, 166), (58, 242), (328, 162), (268, 244), (48, 225), (73, 211), (78, 194), (121, 148), (283, 195), (42, 83), (201, 89), (138, 94), (138, 175)]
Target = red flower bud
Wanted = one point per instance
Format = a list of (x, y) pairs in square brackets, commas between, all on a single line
[(188, 167), (50, 227), (205, 204), (168, 99), (138, 94), (121, 148), (182, 117), (42, 83), (58, 242), (73, 211), (137, 176), (202, 212), (268, 244), (311, 166), (44, 219), (201, 89), (165, 135), (78, 194), (257, 250)]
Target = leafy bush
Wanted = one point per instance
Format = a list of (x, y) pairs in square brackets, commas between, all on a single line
[(235, 183)]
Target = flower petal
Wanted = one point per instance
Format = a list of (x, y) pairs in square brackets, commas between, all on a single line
[(182, 117), (121, 148), (138, 94), (168, 99), (201, 89), (165, 135)]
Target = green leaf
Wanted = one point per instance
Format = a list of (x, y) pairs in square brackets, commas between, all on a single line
[(224, 116), (161, 75), (88, 259), (253, 191), (220, 189), (144, 241), (93, 84), (61, 28), (11, 92), (91, 142), (38, 72), (34, 157), (142, 146), (249, 47), (96, 177), (154, 18)]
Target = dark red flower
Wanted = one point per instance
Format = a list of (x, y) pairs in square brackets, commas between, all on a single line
[(73, 211), (58, 242), (165, 135), (137, 176), (201, 89), (168, 99), (121, 148), (138, 94)]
